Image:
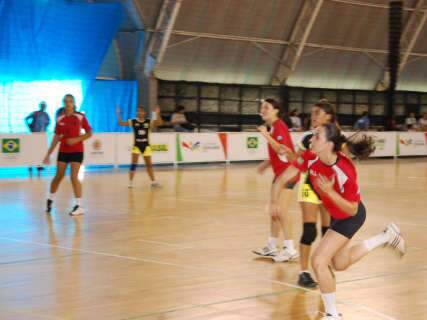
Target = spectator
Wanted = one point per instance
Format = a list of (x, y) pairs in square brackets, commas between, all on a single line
[(423, 122), (392, 125), (411, 122), (363, 122), (296, 120), (179, 121), (38, 121)]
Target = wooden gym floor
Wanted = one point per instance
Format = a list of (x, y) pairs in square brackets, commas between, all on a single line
[(184, 252)]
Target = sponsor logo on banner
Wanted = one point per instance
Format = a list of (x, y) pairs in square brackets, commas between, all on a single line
[(10, 146), (412, 142), (191, 146), (252, 142), (160, 147), (198, 146), (379, 143), (97, 147)]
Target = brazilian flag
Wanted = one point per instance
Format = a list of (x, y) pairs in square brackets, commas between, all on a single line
[(252, 142), (10, 145)]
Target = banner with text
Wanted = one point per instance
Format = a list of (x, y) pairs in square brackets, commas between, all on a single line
[(200, 147), (22, 149), (411, 144)]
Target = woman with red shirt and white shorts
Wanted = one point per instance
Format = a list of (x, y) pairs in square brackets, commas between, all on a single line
[(333, 177), (68, 134), (278, 138)]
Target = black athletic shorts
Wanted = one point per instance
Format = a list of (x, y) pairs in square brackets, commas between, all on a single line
[(70, 157), (289, 185), (349, 226)]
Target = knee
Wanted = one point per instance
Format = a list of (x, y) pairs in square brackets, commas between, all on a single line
[(339, 266), (318, 262), (58, 177), (74, 179), (309, 233)]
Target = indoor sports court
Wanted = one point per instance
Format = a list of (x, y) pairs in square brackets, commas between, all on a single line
[(213, 159)]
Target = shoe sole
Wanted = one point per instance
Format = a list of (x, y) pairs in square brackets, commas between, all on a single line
[(313, 286)]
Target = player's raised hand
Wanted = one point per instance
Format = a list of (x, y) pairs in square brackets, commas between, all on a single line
[(325, 184)]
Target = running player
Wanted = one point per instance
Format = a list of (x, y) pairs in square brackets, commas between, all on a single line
[(276, 138), (68, 133), (141, 128), (322, 112), (333, 178)]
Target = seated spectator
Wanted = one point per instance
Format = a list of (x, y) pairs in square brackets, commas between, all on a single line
[(411, 122), (363, 122), (296, 120), (392, 125), (179, 121), (422, 123)]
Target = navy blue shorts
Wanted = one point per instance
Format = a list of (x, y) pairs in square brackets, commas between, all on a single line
[(349, 226)]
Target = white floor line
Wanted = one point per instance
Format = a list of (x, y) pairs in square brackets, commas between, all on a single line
[(106, 254), (166, 244)]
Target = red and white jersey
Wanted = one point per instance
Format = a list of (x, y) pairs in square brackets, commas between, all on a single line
[(345, 179), (279, 132), (71, 127)]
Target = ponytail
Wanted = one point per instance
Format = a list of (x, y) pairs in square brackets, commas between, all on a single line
[(360, 145)]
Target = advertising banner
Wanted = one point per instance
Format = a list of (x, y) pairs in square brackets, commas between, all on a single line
[(200, 147)]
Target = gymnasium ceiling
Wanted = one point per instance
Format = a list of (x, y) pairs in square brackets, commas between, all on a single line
[(243, 41)]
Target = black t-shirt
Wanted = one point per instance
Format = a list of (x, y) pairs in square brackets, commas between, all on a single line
[(141, 130)]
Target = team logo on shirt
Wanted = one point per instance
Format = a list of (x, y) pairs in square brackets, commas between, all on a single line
[(252, 142), (279, 138), (10, 145), (300, 160)]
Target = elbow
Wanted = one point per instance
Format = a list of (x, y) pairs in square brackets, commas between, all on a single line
[(89, 134)]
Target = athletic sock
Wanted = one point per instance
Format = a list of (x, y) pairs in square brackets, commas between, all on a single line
[(330, 304), (376, 241), (272, 242), (79, 202), (289, 244), (51, 196)]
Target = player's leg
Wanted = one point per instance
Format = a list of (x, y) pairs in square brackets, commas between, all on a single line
[(325, 219), (309, 234), (56, 181), (77, 185), (149, 165), (288, 252), (134, 162)]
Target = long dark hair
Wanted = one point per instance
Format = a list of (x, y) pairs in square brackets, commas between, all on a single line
[(276, 105), (359, 145), (329, 108)]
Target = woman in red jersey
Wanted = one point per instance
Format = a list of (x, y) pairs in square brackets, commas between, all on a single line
[(277, 137), (333, 177), (68, 134)]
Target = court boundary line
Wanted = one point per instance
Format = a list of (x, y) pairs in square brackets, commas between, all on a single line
[(105, 254)]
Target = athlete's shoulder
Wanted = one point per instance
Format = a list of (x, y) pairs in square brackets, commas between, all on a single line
[(346, 164), (80, 115)]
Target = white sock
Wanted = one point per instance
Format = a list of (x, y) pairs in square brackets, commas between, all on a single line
[(289, 244), (272, 242), (51, 196), (330, 304), (79, 202), (376, 241)]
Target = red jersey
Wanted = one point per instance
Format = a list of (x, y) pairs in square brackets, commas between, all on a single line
[(71, 127), (345, 179), (279, 132)]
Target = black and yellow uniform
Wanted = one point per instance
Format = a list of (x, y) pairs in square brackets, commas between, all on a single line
[(305, 190), (141, 133)]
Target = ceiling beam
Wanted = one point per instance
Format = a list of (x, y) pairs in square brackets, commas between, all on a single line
[(410, 34), (298, 39), (282, 42)]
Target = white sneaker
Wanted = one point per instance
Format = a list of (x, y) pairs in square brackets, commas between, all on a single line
[(155, 184), (286, 255), (331, 317), (77, 211), (266, 252), (130, 184), (395, 239)]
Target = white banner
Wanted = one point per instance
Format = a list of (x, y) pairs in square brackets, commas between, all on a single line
[(22, 149), (246, 146), (385, 144), (100, 149), (412, 144), (200, 147), (163, 146)]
